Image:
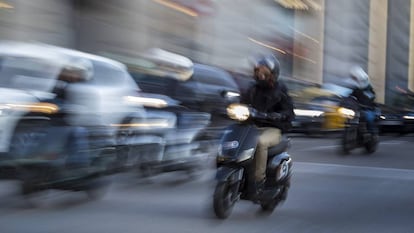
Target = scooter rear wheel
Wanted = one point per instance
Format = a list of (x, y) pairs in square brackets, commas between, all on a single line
[(270, 206), (372, 145)]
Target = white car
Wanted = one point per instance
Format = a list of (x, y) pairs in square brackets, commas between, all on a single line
[(29, 73)]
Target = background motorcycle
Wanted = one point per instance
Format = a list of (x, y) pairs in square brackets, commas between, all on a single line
[(356, 133), (235, 165)]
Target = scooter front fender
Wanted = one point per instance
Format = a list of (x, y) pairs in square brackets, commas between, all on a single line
[(229, 174)]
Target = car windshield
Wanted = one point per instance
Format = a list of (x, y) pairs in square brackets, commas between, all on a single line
[(27, 73), (105, 74), (296, 85), (213, 77), (338, 90)]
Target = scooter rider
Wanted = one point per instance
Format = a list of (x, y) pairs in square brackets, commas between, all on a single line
[(268, 95), (365, 95)]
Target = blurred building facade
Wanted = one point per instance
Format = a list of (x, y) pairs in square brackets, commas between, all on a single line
[(223, 33), (316, 40)]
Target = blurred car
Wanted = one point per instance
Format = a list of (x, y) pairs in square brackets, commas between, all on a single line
[(396, 120), (307, 120), (320, 111), (243, 80), (28, 75), (408, 121), (199, 87), (320, 115), (303, 91), (178, 148)]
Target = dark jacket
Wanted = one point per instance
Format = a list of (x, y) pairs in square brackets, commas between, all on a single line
[(271, 100), (365, 97), (61, 100)]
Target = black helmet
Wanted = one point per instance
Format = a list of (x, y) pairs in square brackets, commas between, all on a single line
[(270, 62)]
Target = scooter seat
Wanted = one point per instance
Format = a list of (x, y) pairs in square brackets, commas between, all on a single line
[(279, 148)]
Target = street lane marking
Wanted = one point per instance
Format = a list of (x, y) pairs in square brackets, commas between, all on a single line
[(348, 170), (391, 142), (319, 148)]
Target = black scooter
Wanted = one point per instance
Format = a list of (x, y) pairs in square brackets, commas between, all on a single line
[(235, 165)]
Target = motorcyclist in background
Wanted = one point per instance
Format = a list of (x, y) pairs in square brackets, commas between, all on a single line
[(78, 143), (268, 95), (365, 95)]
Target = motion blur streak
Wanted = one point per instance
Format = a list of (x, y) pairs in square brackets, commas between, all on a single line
[(177, 7)]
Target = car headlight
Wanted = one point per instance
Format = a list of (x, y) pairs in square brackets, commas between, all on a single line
[(238, 112), (408, 117), (145, 101), (46, 108), (308, 113), (4, 110), (146, 124), (231, 94), (346, 112)]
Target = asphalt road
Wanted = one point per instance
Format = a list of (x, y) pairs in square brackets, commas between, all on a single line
[(329, 193)]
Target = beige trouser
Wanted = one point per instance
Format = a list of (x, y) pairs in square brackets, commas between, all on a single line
[(268, 137)]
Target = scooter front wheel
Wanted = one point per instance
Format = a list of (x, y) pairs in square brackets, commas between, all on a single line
[(223, 203), (348, 140)]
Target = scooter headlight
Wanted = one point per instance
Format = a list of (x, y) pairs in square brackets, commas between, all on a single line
[(238, 112)]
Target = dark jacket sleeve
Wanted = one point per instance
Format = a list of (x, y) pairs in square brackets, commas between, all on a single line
[(287, 105), (364, 100), (375, 97), (286, 108)]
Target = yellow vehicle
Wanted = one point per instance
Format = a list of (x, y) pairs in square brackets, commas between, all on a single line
[(317, 109)]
